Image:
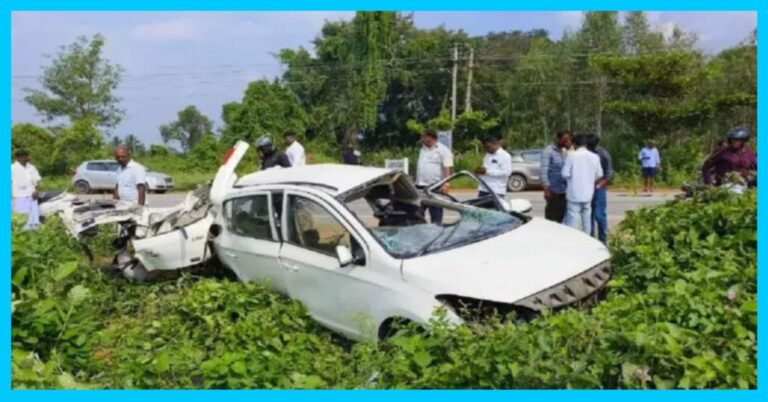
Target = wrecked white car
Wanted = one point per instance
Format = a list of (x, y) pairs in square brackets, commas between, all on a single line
[(351, 243)]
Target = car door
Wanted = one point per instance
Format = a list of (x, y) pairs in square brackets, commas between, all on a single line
[(97, 175), (533, 163), (179, 248), (111, 175), (338, 297), (249, 243)]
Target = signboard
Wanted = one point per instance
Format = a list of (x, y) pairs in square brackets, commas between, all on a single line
[(445, 138), (397, 164)]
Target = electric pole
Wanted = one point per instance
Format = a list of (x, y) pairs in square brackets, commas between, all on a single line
[(453, 87), (468, 102)]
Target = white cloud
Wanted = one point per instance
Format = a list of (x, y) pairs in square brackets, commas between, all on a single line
[(178, 29)]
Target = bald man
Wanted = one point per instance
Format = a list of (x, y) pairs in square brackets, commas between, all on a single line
[(131, 178)]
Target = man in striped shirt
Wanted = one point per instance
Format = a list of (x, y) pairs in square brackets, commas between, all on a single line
[(552, 159)]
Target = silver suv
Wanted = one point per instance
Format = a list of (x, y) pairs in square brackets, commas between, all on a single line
[(101, 175), (526, 171)]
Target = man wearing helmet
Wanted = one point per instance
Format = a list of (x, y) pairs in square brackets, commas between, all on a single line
[(734, 157), (269, 156)]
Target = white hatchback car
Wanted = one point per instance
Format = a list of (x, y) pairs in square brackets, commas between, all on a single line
[(352, 245)]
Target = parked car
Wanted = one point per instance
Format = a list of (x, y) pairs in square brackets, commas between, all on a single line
[(99, 175), (526, 172), (352, 244)]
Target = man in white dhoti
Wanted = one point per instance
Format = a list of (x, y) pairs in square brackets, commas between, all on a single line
[(24, 192)]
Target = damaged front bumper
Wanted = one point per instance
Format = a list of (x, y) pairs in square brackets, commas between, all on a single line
[(570, 291)]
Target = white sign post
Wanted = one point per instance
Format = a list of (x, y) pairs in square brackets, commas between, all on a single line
[(445, 138), (397, 164)]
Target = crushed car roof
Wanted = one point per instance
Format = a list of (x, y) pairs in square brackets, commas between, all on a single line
[(334, 178)]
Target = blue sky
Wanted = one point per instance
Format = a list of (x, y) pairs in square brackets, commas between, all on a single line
[(174, 59)]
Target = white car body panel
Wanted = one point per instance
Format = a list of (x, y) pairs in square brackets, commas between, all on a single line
[(358, 298), (554, 252)]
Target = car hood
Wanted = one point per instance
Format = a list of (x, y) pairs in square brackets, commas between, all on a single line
[(507, 268)]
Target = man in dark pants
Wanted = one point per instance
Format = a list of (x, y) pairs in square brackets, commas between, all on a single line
[(350, 156), (600, 199), (435, 163), (552, 159)]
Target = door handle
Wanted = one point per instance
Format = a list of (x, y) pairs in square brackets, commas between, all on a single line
[(230, 254)]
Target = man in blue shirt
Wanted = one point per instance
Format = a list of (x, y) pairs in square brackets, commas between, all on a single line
[(552, 159), (651, 162)]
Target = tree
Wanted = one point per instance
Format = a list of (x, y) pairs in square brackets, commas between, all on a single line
[(206, 154), (77, 143), (639, 38), (134, 145), (188, 129), (79, 84), (158, 150), (266, 109), (37, 141)]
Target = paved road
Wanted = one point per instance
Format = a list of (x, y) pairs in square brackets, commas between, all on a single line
[(618, 203)]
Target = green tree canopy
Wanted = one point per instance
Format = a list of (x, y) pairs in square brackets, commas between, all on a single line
[(79, 84), (189, 127)]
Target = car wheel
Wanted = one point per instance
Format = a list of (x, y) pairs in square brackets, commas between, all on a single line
[(82, 187), (391, 326), (517, 182)]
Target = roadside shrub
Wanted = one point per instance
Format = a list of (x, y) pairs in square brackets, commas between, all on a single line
[(680, 312)]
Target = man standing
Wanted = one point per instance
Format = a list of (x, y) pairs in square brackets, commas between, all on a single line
[(497, 166), (600, 200), (651, 162), (552, 177), (269, 156), (350, 156), (131, 178), (435, 163), (735, 157), (24, 192), (581, 170), (295, 151)]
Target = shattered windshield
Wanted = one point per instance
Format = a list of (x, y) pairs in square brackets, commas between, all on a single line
[(473, 224)]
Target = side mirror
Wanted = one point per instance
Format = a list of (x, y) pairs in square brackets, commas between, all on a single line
[(518, 205), (344, 254)]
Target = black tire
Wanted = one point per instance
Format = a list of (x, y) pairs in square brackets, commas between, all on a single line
[(391, 326), (160, 191), (517, 183), (82, 187)]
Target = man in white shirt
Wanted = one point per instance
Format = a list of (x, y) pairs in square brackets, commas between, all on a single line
[(295, 151), (497, 166), (131, 178), (581, 170), (435, 163), (24, 193)]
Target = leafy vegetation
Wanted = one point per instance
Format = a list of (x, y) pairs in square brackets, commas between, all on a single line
[(680, 312)]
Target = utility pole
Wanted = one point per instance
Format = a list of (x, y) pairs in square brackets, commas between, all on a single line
[(468, 102), (453, 87)]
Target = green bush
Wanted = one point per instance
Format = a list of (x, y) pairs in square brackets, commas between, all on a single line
[(680, 312)]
